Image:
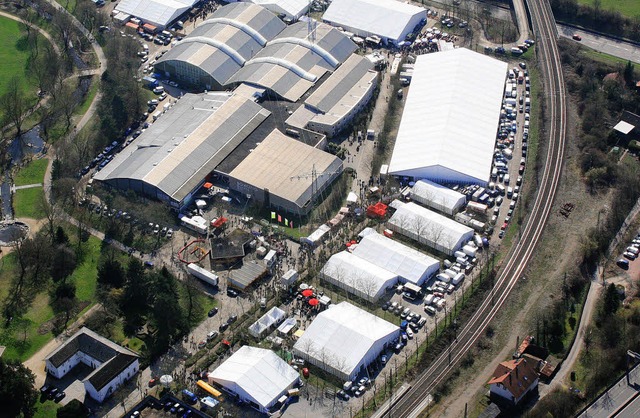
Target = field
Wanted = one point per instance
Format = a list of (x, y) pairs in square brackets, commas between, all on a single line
[(14, 55), (27, 203), (32, 173), (629, 8), (24, 339)]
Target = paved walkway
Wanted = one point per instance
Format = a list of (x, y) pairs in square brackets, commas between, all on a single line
[(26, 186)]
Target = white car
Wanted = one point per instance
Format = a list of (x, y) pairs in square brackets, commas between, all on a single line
[(409, 333)]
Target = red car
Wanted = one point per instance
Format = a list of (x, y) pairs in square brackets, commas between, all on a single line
[(504, 226), (305, 372), (577, 37), (152, 382)]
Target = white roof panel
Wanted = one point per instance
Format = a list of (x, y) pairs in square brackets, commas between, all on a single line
[(427, 191), (259, 373), (292, 8), (624, 127), (386, 18), (364, 277), (344, 325), (451, 115), (156, 12), (410, 264)]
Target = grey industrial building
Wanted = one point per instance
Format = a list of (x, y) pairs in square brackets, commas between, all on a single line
[(172, 158), (245, 43)]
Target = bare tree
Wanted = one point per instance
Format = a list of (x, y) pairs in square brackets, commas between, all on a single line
[(14, 105)]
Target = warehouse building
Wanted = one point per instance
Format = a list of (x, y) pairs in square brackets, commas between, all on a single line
[(296, 59), (256, 376), (448, 128), (289, 9), (174, 156), (408, 264), (438, 197), (246, 43), (428, 227), (334, 104), (357, 276), (220, 46), (278, 173), (344, 325), (159, 13), (391, 20)]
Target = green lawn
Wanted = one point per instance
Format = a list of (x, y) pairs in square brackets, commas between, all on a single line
[(32, 173), (629, 8), (14, 55), (46, 410), (91, 94), (27, 203)]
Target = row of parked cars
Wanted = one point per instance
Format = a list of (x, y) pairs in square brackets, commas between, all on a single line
[(52, 393), (630, 253)]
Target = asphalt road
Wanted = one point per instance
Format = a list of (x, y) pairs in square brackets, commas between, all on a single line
[(625, 50)]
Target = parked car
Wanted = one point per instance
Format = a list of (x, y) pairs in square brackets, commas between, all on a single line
[(59, 396), (232, 293), (223, 327), (577, 37), (212, 312), (623, 264)]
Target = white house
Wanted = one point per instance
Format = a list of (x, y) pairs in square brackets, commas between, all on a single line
[(513, 380), (113, 365)]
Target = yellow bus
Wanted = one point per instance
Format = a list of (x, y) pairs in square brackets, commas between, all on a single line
[(209, 389)]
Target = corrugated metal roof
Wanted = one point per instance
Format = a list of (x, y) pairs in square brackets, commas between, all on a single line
[(278, 158), (187, 142), (223, 43), (285, 64), (451, 115)]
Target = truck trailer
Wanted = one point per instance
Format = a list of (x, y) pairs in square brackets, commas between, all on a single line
[(203, 274)]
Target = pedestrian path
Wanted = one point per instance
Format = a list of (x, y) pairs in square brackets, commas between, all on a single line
[(26, 186)]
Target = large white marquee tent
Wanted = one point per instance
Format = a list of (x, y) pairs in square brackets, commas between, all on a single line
[(344, 325), (357, 276), (410, 265), (437, 197), (450, 119), (157, 12), (391, 20), (256, 375), (429, 228)]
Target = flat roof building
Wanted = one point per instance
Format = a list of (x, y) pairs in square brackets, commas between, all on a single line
[(172, 158), (345, 325), (256, 376), (438, 197), (334, 104), (408, 264), (389, 19), (428, 227), (450, 120), (159, 13), (278, 172), (357, 276)]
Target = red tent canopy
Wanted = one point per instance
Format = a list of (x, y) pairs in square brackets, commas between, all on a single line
[(306, 293), (379, 210), (219, 222), (313, 302), (207, 185)]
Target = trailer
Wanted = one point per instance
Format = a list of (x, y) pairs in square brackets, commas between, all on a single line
[(478, 241), (197, 224), (470, 251), (458, 279), (202, 274)]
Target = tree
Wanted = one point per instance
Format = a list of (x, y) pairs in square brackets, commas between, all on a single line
[(111, 273), (13, 105), (136, 296), (611, 301), (167, 315), (18, 396), (74, 409), (63, 263), (65, 301)]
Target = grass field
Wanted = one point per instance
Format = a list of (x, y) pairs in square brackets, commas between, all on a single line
[(14, 55), (629, 8), (27, 203), (22, 343), (32, 173)]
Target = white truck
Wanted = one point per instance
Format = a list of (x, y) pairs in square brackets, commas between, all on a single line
[(270, 258), (202, 274)]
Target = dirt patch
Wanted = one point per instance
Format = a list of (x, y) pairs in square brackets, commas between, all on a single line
[(58, 321)]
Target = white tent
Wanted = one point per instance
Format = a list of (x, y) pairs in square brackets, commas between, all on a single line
[(292, 9), (438, 197), (357, 276), (410, 265), (267, 321), (448, 128), (317, 235), (389, 19), (256, 375), (344, 325), (157, 12), (430, 228)]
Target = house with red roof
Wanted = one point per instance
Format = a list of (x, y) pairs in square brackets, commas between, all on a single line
[(513, 380)]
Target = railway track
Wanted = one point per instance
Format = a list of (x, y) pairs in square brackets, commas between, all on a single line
[(410, 405)]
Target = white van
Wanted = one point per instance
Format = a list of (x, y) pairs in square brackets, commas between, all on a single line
[(506, 179)]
